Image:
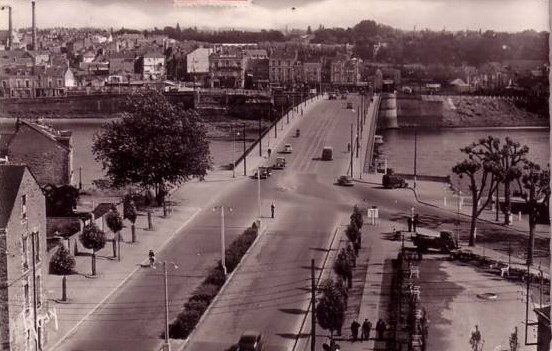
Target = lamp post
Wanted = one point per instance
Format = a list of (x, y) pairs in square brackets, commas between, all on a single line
[(415, 154), (222, 237), (166, 344), (244, 150), (259, 192), (458, 197), (234, 152)]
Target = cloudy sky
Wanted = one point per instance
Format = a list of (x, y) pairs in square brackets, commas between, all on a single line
[(501, 15)]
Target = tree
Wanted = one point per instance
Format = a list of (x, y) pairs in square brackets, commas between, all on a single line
[(115, 224), (476, 341), (356, 217), (331, 307), (130, 213), (343, 267), (482, 169), (309, 30), (352, 232), (511, 158), (535, 190), (62, 263), (92, 238), (154, 145), (60, 201)]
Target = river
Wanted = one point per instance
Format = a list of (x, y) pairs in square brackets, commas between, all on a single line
[(438, 150)]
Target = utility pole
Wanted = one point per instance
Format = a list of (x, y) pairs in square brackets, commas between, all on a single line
[(259, 192), (260, 141), (80, 178), (233, 151), (222, 237), (313, 308), (357, 130), (351, 162), (275, 125), (497, 203), (415, 154), (166, 344), (244, 155)]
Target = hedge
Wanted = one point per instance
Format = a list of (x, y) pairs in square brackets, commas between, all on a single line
[(201, 298)]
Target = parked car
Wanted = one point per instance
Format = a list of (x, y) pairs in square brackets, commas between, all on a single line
[(349, 105), (250, 341), (390, 181), (287, 149), (444, 242), (332, 96), (345, 180)]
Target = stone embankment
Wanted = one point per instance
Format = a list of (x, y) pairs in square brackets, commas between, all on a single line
[(462, 111)]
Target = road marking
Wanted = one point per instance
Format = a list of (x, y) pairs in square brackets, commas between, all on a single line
[(73, 329)]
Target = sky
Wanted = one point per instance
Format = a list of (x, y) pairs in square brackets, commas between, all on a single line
[(498, 15)]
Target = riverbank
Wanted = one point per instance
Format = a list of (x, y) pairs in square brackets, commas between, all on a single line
[(461, 111)]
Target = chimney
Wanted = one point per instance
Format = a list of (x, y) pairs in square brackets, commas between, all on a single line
[(10, 28), (34, 25)]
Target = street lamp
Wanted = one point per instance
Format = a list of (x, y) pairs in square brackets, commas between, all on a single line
[(415, 154), (234, 151), (222, 241), (166, 344)]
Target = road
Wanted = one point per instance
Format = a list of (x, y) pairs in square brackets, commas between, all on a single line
[(132, 318), (271, 291)]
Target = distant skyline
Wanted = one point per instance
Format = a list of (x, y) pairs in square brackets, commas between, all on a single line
[(499, 15)]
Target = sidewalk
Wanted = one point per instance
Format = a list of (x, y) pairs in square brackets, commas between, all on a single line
[(86, 293)]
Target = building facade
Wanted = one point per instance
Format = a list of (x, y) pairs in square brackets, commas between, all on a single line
[(47, 152), (282, 67), (153, 66), (23, 267), (228, 68)]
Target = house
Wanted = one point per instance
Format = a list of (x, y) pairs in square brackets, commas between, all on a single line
[(40, 57), (153, 65), (312, 73), (88, 56), (345, 71), (257, 76), (281, 67), (197, 61), (122, 63), (47, 152), (256, 54), (543, 332), (17, 82), (228, 68), (23, 265)]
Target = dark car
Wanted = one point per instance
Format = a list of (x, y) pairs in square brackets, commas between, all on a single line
[(250, 341), (349, 105), (280, 163), (261, 172), (332, 96)]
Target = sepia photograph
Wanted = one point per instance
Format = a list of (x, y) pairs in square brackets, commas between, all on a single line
[(275, 175)]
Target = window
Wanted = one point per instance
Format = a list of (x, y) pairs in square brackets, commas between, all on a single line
[(4, 84), (27, 84), (25, 249), (18, 83), (38, 289), (27, 306), (23, 207), (59, 82), (36, 239), (49, 83)]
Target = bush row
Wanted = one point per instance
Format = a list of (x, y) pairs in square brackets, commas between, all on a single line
[(209, 288)]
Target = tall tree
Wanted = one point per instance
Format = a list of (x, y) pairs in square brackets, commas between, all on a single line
[(115, 224), (154, 145), (535, 187), (511, 157), (482, 169), (130, 213), (92, 238), (62, 263), (331, 307)]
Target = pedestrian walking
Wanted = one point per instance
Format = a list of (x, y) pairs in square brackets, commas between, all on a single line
[(348, 147), (409, 221), (151, 256), (269, 152), (354, 329), (366, 327), (272, 208), (380, 329)]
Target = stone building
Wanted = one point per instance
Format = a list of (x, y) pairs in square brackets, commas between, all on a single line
[(47, 152), (281, 66), (23, 267), (228, 68)]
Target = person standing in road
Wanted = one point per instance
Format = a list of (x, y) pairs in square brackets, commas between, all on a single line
[(354, 330), (272, 208), (269, 152), (366, 326)]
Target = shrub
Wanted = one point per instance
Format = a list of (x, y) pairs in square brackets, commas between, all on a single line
[(202, 297), (184, 324), (352, 232), (356, 217), (62, 262), (205, 292), (215, 277)]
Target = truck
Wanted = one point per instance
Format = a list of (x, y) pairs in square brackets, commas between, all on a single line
[(443, 242), (391, 181)]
